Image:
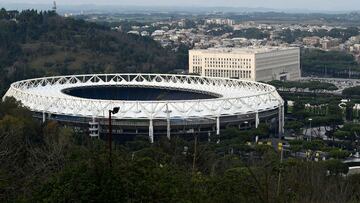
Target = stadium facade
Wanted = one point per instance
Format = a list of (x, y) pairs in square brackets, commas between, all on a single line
[(151, 104)]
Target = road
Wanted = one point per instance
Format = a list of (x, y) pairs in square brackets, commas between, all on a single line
[(340, 83)]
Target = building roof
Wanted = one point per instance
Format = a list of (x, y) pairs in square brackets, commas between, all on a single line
[(245, 50)]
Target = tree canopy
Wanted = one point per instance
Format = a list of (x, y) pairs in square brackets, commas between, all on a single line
[(34, 44)]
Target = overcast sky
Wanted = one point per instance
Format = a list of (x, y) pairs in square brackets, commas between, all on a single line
[(333, 5)]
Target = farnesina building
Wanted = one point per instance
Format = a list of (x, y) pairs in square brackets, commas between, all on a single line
[(250, 63)]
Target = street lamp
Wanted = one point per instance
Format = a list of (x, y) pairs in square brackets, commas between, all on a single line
[(310, 119), (114, 111)]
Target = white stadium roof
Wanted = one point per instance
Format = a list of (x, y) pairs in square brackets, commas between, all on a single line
[(236, 97)]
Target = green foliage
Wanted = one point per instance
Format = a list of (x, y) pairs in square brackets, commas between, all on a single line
[(141, 180), (349, 111), (314, 145), (31, 152), (246, 136), (239, 183), (342, 135), (43, 43), (350, 131), (296, 142), (50, 163), (353, 128), (218, 30), (339, 154), (294, 125), (332, 63), (327, 114), (336, 167), (311, 85), (352, 92), (290, 36), (325, 110), (326, 120), (250, 33), (299, 109)]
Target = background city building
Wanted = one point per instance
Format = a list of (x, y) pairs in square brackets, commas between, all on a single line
[(256, 64)]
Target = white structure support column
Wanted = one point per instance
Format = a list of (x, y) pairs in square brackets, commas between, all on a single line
[(43, 117), (257, 121), (281, 120), (168, 128), (151, 131), (218, 125), (94, 130)]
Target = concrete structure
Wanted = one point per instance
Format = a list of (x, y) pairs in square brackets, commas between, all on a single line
[(219, 21), (197, 104), (255, 64), (329, 43), (315, 40)]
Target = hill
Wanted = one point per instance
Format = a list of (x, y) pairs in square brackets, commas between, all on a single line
[(34, 44)]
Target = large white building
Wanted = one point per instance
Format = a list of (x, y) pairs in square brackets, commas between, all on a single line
[(256, 64)]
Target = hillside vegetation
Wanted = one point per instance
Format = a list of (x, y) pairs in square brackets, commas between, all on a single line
[(34, 44), (51, 163)]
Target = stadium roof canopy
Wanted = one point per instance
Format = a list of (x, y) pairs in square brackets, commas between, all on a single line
[(230, 96)]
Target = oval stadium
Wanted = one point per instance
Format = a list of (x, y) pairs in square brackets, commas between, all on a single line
[(151, 104)]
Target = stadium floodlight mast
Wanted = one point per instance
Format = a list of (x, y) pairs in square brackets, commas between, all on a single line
[(115, 110)]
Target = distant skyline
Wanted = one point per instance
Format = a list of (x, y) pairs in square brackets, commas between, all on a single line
[(318, 5)]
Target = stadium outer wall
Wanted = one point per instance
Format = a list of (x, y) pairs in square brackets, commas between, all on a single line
[(241, 104)]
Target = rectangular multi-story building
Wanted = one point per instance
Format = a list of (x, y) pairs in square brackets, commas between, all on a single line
[(256, 64)]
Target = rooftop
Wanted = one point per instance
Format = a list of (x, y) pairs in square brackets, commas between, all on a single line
[(245, 50)]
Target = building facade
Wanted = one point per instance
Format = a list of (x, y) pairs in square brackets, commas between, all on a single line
[(256, 64)]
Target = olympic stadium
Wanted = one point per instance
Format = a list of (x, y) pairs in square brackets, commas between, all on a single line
[(151, 104)]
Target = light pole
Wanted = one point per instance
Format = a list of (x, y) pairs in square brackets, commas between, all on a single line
[(281, 149), (195, 151), (114, 111), (310, 119)]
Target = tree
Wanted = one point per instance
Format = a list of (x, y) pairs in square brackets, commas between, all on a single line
[(351, 92), (349, 111), (339, 154), (237, 185), (336, 167), (30, 45), (294, 125), (342, 135)]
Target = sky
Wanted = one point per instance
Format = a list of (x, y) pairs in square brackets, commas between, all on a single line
[(330, 5)]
